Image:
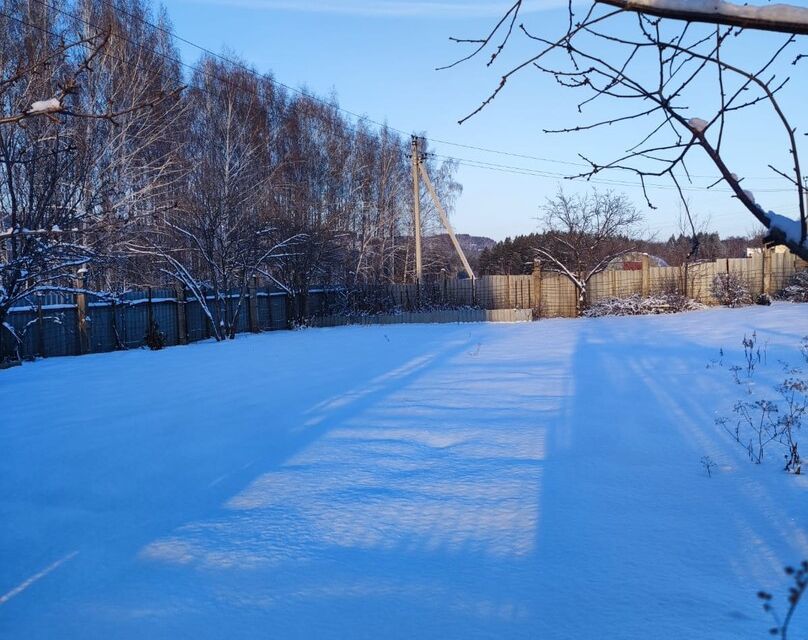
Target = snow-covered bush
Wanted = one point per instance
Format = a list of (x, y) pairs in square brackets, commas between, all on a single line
[(636, 305), (775, 420), (794, 392), (755, 426), (154, 339), (19, 335), (797, 288), (373, 300), (730, 290), (299, 324)]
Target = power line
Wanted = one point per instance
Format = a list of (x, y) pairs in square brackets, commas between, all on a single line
[(204, 71), (244, 67), (355, 115), (470, 163), (565, 162), (526, 171)]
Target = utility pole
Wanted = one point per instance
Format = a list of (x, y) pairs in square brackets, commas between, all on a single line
[(416, 205)]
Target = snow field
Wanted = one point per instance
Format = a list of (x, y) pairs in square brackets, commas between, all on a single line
[(417, 481)]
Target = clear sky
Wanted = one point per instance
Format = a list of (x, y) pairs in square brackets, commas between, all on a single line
[(379, 58)]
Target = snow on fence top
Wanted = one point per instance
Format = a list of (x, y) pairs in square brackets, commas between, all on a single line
[(785, 18)]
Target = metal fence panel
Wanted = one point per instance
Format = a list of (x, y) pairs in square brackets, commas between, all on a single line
[(49, 322)]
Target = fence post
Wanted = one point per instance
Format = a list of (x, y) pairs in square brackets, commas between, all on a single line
[(208, 321), (270, 327), (684, 272), (536, 286), (767, 269), (253, 291), (646, 275), (182, 320), (149, 313), (113, 326), (40, 329), (508, 304), (287, 309), (81, 315)]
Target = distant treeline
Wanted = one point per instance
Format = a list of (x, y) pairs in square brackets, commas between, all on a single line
[(516, 255), (125, 167)]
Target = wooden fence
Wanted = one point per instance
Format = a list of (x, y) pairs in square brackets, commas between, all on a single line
[(553, 295)]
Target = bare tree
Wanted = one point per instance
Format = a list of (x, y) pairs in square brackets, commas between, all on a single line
[(381, 200), (221, 234), (654, 60), (583, 234), (111, 178), (62, 183)]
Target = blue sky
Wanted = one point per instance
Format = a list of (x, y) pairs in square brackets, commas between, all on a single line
[(379, 58)]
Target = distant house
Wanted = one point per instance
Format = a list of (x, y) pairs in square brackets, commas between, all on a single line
[(633, 262), (751, 252)]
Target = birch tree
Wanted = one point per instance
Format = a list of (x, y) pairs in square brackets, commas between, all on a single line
[(58, 210), (222, 232)]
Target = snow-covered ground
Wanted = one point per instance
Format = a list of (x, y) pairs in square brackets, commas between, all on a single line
[(457, 481)]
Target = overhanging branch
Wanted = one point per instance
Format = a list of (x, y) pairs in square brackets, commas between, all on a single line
[(781, 18)]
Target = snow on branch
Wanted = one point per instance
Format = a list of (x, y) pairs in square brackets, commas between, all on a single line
[(45, 106), (793, 234), (592, 58), (784, 18), (698, 124)]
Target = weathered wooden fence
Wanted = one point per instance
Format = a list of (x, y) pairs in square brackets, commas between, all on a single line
[(553, 295)]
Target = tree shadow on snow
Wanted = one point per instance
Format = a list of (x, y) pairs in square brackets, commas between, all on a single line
[(635, 535)]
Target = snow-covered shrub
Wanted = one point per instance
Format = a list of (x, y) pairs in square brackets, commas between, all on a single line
[(154, 339), (708, 464), (775, 420), (764, 299), (636, 305), (794, 392), (755, 426), (18, 336), (298, 324), (373, 300), (730, 290), (797, 288)]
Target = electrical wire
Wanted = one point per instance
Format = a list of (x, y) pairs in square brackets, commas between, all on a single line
[(365, 118)]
